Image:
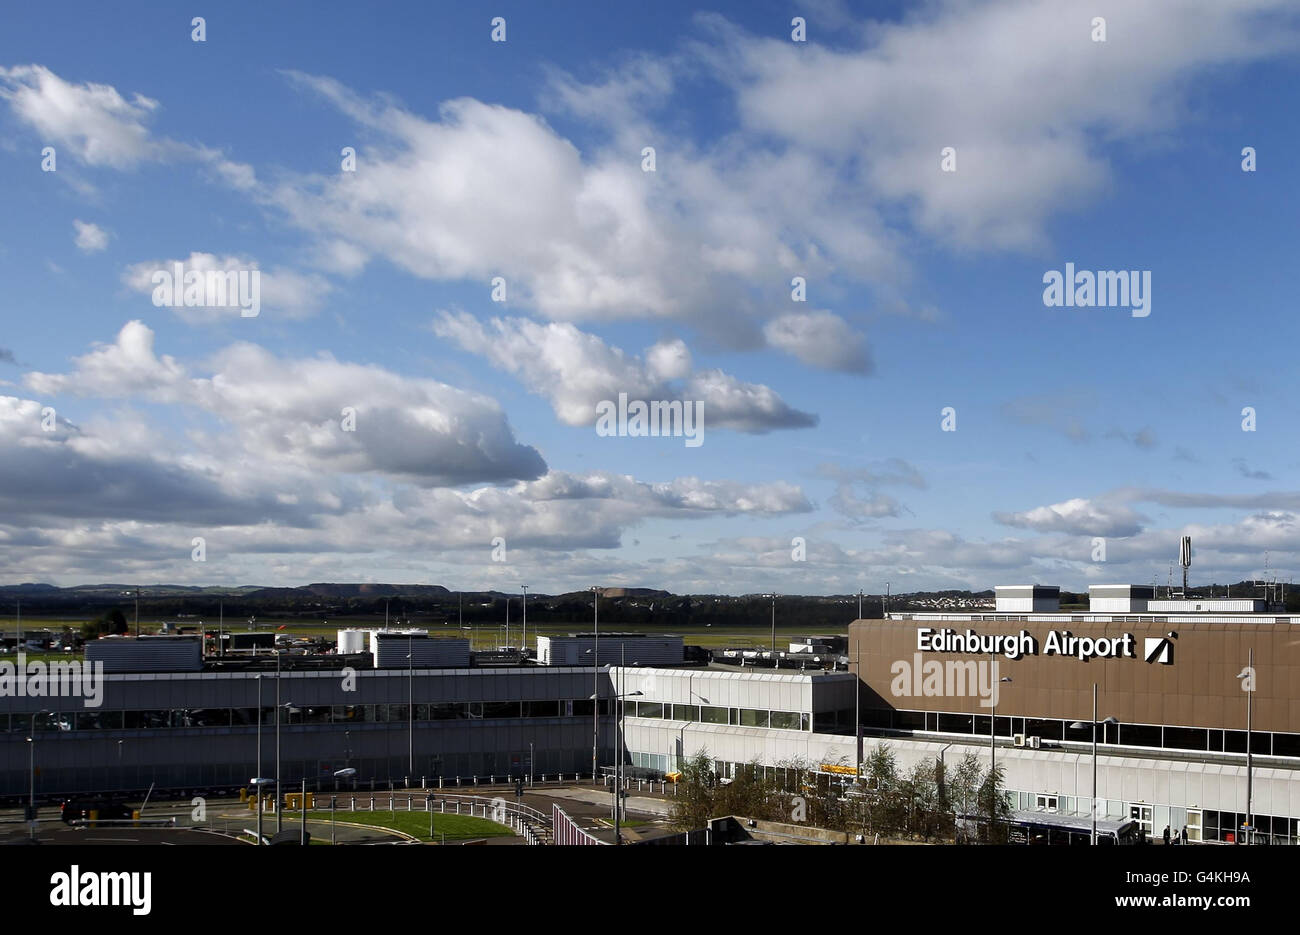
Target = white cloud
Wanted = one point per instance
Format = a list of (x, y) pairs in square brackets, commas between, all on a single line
[(575, 370), (1017, 88), (819, 339), (291, 294), (1079, 516), (94, 121), (90, 238), (291, 409)]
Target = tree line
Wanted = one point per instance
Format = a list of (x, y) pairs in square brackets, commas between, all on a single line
[(930, 803)]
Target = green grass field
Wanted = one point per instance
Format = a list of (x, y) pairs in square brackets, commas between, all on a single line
[(450, 827), (480, 637)]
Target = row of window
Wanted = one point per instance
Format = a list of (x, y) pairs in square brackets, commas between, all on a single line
[(1211, 740), (710, 714), (312, 714), (1200, 824)]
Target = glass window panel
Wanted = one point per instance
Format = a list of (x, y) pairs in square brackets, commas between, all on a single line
[(751, 717), (446, 712), (785, 720), (582, 708), (712, 715), (686, 712)]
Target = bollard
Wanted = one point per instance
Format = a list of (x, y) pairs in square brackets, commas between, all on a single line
[(439, 782), (372, 803)]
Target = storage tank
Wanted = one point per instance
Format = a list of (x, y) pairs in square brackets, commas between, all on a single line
[(352, 641)]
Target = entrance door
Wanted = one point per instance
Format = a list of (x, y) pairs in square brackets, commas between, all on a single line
[(1142, 815), (1193, 825)]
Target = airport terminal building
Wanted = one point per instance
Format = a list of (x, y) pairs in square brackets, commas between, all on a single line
[(1173, 688), (1169, 675)]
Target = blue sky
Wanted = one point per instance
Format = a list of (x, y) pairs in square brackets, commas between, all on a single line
[(475, 419)]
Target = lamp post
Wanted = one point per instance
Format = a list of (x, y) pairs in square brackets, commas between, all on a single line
[(523, 640), (279, 817), (256, 777), (595, 685), (31, 774), (410, 704), (618, 765), (1248, 683), (1078, 725), (857, 706), (993, 729)]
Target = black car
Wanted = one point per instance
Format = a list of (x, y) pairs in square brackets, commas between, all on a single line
[(80, 809)]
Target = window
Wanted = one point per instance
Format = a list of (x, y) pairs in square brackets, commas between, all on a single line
[(712, 715), (1193, 825), (750, 717), (785, 720), (1046, 803), (1142, 815), (686, 712)]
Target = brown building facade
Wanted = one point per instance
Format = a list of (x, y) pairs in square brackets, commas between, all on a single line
[(918, 675)]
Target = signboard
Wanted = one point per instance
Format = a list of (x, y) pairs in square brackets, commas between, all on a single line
[(1056, 643)]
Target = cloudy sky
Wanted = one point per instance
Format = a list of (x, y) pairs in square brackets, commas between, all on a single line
[(464, 246)]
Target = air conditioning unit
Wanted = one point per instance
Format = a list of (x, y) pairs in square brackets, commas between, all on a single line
[(1017, 740), (1035, 742)]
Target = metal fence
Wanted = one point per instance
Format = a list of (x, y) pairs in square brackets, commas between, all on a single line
[(564, 830)]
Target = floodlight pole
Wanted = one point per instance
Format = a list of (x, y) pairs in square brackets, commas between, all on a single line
[(595, 686)]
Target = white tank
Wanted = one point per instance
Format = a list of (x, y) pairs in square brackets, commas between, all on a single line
[(352, 641)]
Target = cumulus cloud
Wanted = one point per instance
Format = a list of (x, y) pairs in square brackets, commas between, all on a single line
[(575, 370), (94, 121), (820, 339), (1017, 88), (1078, 516), (871, 503), (89, 238), (293, 408), (292, 294)]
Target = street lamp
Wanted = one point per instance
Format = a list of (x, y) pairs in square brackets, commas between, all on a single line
[(410, 704), (31, 773), (595, 685), (1248, 684), (279, 818), (523, 640), (993, 731), (1079, 725), (279, 813), (618, 765)]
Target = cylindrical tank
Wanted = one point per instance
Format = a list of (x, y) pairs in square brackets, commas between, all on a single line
[(352, 641)]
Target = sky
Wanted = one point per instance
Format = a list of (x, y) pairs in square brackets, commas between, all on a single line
[(826, 229)]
